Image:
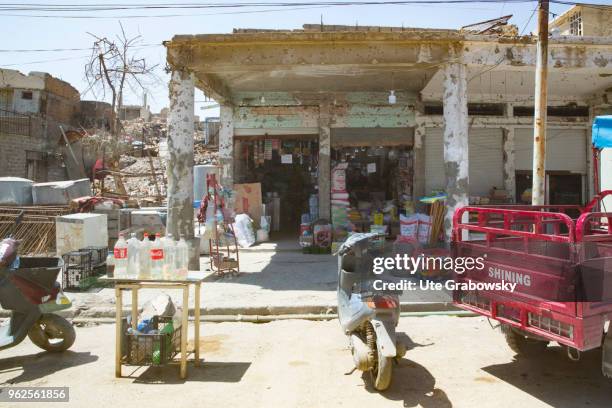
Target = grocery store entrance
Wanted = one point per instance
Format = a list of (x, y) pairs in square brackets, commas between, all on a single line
[(286, 169)]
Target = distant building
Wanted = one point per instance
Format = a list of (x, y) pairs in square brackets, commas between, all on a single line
[(95, 115), (584, 21), (32, 109)]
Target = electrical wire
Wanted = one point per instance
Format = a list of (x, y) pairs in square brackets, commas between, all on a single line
[(163, 15), (70, 49)]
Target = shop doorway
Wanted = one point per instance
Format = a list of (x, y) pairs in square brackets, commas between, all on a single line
[(286, 168), (561, 188)]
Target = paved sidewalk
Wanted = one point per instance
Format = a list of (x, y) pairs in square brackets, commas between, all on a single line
[(276, 279)]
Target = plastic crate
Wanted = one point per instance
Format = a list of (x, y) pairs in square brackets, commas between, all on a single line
[(150, 349), (98, 254), (78, 270)]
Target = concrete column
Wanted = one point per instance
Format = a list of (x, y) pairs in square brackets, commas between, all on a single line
[(180, 219), (238, 162), (509, 162), (456, 162), (418, 164), (589, 189), (324, 161), (226, 145)]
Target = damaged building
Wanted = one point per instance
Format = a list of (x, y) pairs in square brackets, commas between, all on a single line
[(416, 110), (32, 109)]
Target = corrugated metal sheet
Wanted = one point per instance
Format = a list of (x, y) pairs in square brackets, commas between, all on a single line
[(485, 156)]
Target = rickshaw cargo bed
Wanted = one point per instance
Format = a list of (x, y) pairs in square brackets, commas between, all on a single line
[(560, 264)]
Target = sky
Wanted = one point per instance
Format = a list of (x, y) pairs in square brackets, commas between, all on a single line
[(20, 30)]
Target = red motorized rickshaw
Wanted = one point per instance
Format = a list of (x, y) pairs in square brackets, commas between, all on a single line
[(559, 257)]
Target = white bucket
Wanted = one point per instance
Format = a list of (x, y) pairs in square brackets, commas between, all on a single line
[(262, 235)]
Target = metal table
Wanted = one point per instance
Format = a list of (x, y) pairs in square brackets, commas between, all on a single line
[(135, 284)]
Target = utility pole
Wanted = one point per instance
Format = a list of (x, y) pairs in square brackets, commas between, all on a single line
[(539, 120)]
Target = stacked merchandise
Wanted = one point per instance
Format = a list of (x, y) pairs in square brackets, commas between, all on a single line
[(313, 207), (339, 202)]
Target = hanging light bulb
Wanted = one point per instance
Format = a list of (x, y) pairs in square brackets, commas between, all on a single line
[(392, 97)]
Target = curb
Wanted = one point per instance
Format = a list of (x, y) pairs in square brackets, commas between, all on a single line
[(108, 311)]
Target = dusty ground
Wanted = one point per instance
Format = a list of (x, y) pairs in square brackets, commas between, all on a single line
[(451, 362)]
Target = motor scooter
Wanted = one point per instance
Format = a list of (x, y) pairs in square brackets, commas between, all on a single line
[(368, 317), (29, 289)]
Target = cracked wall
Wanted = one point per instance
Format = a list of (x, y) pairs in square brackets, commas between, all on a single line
[(180, 150)]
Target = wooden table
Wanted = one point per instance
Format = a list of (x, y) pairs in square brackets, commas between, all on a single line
[(135, 284)]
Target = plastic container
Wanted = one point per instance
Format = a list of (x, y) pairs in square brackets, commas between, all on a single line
[(182, 257), (145, 259), (133, 266), (157, 257), (151, 349), (169, 247), (120, 253), (262, 235)]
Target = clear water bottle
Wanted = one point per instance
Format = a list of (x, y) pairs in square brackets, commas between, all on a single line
[(133, 266), (182, 257), (157, 258), (169, 254), (120, 253), (145, 264)]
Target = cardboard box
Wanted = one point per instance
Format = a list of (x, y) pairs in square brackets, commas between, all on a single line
[(247, 200)]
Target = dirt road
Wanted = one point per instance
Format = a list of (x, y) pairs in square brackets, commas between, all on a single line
[(451, 362)]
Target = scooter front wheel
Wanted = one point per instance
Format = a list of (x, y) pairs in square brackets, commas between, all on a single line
[(382, 372), (52, 333)]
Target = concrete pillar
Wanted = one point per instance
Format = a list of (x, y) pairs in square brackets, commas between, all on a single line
[(226, 145), (456, 162), (324, 161), (180, 219), (509, 162), (418, 163), (239, 162), (589, 189)]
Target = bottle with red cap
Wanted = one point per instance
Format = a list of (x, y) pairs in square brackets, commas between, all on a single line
[(157, 257), (145, 257), (120, 253)]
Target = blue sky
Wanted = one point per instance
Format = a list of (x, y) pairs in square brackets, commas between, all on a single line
[(18, 32)]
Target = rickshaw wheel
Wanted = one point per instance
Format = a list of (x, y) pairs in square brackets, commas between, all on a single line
[(521, 344)]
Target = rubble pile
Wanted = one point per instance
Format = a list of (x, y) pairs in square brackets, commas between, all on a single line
[(135, 163)]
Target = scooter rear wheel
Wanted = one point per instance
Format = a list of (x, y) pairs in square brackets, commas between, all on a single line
[(381, 374), (52, 333)]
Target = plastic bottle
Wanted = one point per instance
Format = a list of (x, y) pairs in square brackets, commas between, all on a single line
[(133, 266), (145, 264), (120, 253), (169, 254), (182, 257), (157, 258)]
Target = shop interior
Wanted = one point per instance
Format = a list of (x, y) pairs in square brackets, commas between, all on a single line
[(286, 169), (377, 188)]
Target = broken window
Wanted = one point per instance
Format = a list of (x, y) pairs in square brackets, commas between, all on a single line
[(576, 24), (26, 95)]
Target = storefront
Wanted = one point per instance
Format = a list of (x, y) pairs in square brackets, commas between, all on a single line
[(286, 167), (566, 165), (376, 165)]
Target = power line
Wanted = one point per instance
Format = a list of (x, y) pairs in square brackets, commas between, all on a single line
[(69, 49), (161, 15), (45, 61)]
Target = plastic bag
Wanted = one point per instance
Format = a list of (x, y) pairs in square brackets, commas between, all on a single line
[(243, 228)]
